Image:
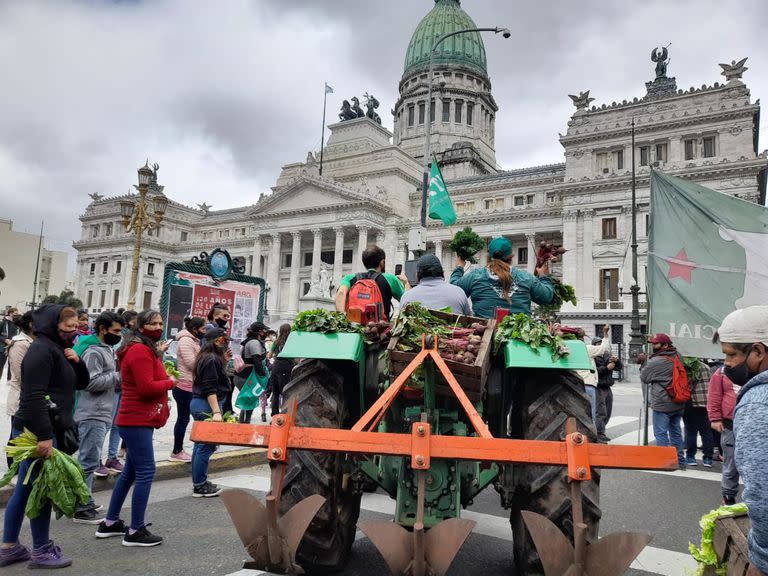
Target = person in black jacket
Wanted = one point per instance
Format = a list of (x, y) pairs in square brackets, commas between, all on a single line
[(210, 386), (50, 373), (281, 369), (253, 352), (606, 366)]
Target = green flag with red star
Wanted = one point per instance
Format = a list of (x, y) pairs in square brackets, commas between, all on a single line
[(706, 257)]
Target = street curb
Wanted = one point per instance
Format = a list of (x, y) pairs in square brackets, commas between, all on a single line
[(165, 470)]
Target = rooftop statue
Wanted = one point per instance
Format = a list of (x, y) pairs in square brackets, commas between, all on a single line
[(371, 104), (582, 100), (661, 57), (734, 70), (356, 107), (349, 111), (96, 196)]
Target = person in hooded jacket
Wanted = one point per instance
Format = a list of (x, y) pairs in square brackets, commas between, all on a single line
[(280, 373), (186, 355), (52, 370), (253, 352), (16, 351), (143, 408)]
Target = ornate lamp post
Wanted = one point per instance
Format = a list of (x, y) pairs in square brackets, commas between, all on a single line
[(137, 218)]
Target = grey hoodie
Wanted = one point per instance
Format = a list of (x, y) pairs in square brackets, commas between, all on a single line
[(750, 426), (97, 400), (656, 372)]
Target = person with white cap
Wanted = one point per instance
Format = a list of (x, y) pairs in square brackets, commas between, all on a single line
[(743, 337)]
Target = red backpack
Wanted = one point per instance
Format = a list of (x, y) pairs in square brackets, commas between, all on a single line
[(679, 390), (364, 292)]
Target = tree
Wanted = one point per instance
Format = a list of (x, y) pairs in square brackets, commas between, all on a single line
[(67, 297)]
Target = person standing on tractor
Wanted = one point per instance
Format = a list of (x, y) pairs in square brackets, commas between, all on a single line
[(499, 285), (433, 291), (372, 287)]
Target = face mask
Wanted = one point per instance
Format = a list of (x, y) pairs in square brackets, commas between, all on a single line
[(68, 337), (153, 335), (221, 322), (111, 339), (739, 374)]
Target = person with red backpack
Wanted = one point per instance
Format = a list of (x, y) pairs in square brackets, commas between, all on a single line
[(374, 287), (666, 382)]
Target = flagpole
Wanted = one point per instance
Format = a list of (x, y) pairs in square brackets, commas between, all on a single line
[(322, 137), (37, 265)]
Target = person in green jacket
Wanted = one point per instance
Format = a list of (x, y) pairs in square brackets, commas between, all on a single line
[(499, 285)]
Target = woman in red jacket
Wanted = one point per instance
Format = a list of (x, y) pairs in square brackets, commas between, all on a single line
[(721, 402), (143, 407)]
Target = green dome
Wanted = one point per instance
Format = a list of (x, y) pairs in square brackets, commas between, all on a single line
[(462, 50)]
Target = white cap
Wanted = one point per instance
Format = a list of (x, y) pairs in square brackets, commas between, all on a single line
[(745, 326)]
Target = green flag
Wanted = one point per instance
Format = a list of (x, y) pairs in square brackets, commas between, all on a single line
[(706, 258), (440, 205)]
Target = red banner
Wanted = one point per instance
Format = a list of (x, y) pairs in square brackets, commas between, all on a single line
[(204, 297)]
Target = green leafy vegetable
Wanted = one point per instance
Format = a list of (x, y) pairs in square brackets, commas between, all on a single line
[(529, 330), (323, 321), (466, 243), (227, 417), (61, 480), (170, 369), (705, 554), (412, 322)]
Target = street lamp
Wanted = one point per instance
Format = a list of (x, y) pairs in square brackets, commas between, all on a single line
[(636, 338), (137, 218), (425, 177)]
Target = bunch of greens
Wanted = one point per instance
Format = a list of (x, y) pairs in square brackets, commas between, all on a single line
[(529, 330), (227, 417), (705, 555), (563, 293), (61, 480), (170, 369), (413, 321), (322, 321), (466, 243)]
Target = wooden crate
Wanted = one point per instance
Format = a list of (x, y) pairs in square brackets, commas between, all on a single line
[(730, 542), (471, 377)]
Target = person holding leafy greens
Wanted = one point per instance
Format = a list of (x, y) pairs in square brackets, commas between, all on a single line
[(499, 285), (50, 374)]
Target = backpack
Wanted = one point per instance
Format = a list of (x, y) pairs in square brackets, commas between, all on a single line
[(365, 291), (679, 390)]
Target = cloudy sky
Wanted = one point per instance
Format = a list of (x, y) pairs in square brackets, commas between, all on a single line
[(222, 94)]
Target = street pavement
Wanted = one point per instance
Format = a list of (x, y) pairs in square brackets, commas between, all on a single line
[(199, 537)]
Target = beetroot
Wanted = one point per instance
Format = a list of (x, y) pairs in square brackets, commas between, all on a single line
[(462, 332)]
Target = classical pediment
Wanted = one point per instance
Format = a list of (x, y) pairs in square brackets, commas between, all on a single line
[(309, 194), (612, 249)]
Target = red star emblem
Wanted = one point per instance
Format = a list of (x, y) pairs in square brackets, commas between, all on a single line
[(680, 266)]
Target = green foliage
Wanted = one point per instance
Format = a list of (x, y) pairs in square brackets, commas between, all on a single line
[(705, 554), (61, 480), (529, 330), (563, 293), (413, 321), (323, 321), (227, 417), (466, 243), (170, 369), (67, 298)]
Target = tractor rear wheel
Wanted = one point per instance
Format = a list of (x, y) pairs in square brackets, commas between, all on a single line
[(543, 401), (321, 403)]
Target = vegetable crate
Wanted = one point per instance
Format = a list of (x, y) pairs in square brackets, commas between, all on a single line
[(730, 543), (471, 377)]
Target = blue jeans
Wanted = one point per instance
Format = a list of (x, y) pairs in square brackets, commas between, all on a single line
[(14, 512), (592, 395), (114, 433), (138, 472), (666, 429), (92, 433), (183, 400), (201, 453)]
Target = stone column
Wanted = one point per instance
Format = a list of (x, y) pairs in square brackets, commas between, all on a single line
[(338, 256), (273, 274), (570, 264), (256, 257), (294, 291), (439, 250), (530, 238), (362, 243), (587, 263), (317, 247), (482, 256), (402, 253)]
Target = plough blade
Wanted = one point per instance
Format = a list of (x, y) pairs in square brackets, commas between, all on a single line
[(272, 545), (418, 553), (609, 556)]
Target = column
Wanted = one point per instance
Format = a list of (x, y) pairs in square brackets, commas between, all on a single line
[(402, 253), (482, 256), (439, 250), (570, 264), (256, 257), (294, 291), (362, 243), (379, 239), (530, 238), (273, 275), (338, 256), (587, 263), (317, 247)]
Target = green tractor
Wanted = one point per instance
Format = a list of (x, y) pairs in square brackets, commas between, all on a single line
[(519, 393)]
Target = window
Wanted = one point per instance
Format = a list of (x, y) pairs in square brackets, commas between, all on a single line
[(494, 203), (529, 199), (287, 260), (151, 269), (410, 115), (519, 201), (709, 146), (108, 229), (458, 106), (226, 233), (619, 154), (307, 258), (609, 228), (661, 152), (105, 267), (347, 256), (305, 288), (647, 224), (522, 255), (90, 298), (470, 112), (184, 236), (147, 300), (115, 298), (93, 268), (446, 116), (422, 107), (102, 299), (602, 163), (609, 285), (644, 151), (328, 256), (690, 147), (242, 231), (118, 266), (95, 231), (431, 110)]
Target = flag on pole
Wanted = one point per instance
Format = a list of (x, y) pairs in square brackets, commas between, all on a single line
[(706, 258), (328, 89), (440, 205)]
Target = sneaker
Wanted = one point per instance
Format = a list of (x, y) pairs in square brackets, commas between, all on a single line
[(182, 456), (682, 466), (97, 507), (117, 529), (707, 462), (87, 516), (14, 554), (691, 462), (102, 471), (207, 490), (729, 500), (142, 537), (114, 465), (48, 556)]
